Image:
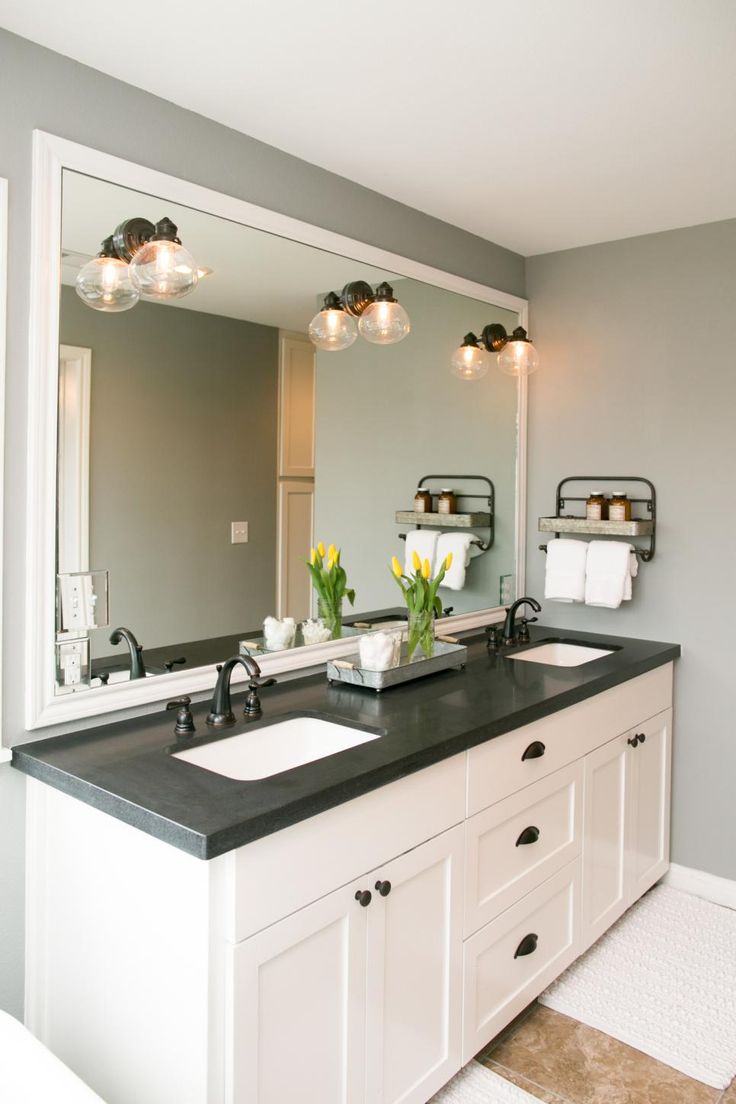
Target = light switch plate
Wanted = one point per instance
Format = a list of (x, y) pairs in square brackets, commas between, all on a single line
[(238, 532)]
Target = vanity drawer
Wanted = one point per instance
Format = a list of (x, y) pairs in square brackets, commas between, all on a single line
[(511, 960), (278, 874), (513, 846), (502, 766)]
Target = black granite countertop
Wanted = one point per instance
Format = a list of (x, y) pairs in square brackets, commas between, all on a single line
[(127, 770)]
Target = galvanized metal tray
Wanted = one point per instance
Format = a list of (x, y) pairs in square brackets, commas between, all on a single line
[(349, 669)]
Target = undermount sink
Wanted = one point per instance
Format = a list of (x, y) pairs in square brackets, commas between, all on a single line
[(559, 653), (273, 748)]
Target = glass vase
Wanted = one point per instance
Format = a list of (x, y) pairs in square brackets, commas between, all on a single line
[(331, 614), (420, 635)]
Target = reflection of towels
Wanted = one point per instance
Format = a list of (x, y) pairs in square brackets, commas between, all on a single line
[(565, 571), (459, 544), (608, 572), (424, 543)]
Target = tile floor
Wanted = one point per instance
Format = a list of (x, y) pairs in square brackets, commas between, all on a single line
[(561, 1061)]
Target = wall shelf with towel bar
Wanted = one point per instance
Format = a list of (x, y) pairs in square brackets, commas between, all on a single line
[(636, 527), (461, 520)]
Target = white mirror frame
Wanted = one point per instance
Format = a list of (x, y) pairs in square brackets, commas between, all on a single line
[(51, 155)]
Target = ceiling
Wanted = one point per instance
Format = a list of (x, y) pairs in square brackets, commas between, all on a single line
[(256, 276), (539, 125)]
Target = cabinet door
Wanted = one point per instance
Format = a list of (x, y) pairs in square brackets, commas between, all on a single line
[(414, 1013), (605, 882), (297, 1008), (649, 804)]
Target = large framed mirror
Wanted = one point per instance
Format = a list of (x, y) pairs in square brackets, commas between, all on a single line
[(188, 453)]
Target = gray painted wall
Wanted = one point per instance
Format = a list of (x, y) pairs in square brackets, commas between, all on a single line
[(163, 486), (417, 418), (637, 344), (42, 89)]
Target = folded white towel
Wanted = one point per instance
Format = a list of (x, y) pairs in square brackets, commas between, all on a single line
[(424, 543), (633, 572), (459, 544), (564, 579), (608, 571)]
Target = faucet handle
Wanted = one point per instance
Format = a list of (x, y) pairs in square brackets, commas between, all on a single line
[(184, 720), (253, 701), (523, 635)]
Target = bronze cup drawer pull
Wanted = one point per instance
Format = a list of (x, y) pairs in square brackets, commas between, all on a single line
[(529, 835), (527, 946), (534, 751)]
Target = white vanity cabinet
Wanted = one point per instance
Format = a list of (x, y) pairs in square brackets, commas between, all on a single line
[(344, 1002), (267, 975), (627, 818)]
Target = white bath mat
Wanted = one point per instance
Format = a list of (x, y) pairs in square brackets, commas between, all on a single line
[(663, 980), (477, 1085)]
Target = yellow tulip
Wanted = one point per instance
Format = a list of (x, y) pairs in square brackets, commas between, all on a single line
[(332, 552), (396, 566), (313, 556), (416, 563), (448, 561), (426, 569), (321, 550)]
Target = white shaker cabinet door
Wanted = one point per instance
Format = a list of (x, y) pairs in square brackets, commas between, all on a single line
[(297, 1007), (649, 808), (605, 881), (414, 979)]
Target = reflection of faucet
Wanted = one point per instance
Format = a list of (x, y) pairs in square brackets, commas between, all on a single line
[(221, 710), (137, 667), (509, 626)]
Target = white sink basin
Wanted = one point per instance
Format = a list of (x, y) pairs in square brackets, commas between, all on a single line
[(558, 654), (271, 749)]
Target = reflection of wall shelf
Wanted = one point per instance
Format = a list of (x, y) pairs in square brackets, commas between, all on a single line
[(461, 520), (447, 521), (637, 527)]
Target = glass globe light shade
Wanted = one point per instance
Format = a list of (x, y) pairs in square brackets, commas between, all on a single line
[(164, 270), (518, 356), (333, 328), (471, 361), (104, 283), (385, 321)]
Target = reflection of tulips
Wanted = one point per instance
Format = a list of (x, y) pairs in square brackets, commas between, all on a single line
[(330, 583), (420, 594)]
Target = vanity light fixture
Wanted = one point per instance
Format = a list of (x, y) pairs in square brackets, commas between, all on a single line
[(516, 354), (381, 318), (138, 260), (104, 282), (471, 361), (333, 328)]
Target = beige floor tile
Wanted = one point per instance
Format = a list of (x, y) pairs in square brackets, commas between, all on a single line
[(729, 1096), (587, 1067), (545, 1095)]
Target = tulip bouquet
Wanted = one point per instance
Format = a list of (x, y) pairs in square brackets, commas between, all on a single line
[(420, 594), (330, 582)]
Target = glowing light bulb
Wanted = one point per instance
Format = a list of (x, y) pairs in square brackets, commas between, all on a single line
[(518, 356), (104, 283), (385, 321), (163, 268), (333, 328), (471, 361)]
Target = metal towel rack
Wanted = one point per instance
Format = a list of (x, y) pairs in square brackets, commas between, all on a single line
[(637, 527), (484, 520)]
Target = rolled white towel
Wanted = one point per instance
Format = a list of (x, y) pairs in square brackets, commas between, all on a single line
[(459, 544), (564, 579), (424, 543), (608, 570)]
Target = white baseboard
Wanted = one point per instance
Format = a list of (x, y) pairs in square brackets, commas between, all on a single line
[(721, 891)]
